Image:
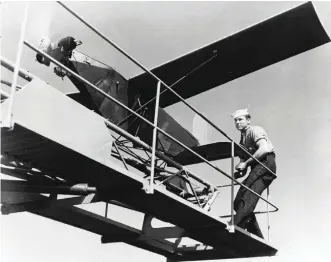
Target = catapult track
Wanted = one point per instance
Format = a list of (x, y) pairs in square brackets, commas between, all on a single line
[(64, 165), (127, 187)]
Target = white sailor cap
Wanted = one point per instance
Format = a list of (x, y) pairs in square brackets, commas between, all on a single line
[(240, 112)]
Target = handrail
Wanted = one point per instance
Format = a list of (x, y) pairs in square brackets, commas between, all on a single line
[(148, 122), (156, 116), (159, 80), (7, 122), (7, 83), (21, 72), (256, 213), (4, 93)]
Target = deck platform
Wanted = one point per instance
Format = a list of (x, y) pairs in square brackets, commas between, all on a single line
[(76, 165)]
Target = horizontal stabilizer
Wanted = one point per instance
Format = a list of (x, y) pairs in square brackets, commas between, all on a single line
[(211, 152), (271, 41)]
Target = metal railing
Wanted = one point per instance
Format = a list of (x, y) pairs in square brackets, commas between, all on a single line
[(7, 121), (154, 125)]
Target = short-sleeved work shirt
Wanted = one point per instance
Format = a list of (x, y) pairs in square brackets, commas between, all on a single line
[(251, 136)]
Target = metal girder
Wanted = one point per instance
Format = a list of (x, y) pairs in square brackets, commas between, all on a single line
[(119, 184), (151, 239), (160, 246), (110, 230), (38, 204), (61, 210), (166, 232), (15, 198), (17, 168), (21, 174), (10, 66), (161, 232), (26, 186)]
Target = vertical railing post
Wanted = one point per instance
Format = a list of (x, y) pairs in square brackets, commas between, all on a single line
[(106, 210), (8, 121), (150, 190), (232, 188), (268, 218)]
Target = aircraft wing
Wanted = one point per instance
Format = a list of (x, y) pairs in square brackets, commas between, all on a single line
[(273, 40)]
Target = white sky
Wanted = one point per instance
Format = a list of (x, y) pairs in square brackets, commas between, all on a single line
[(291, 100)]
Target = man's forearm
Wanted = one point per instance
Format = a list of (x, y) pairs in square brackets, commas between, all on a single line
[(258, 154)]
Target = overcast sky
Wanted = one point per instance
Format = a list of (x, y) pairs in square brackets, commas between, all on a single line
[(290, 99)]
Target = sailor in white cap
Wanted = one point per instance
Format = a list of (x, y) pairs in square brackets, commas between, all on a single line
[(255, 140)]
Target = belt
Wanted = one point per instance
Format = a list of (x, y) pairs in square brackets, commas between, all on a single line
[(264, 158)]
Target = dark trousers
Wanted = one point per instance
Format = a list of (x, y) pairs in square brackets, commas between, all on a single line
[(245, 202)]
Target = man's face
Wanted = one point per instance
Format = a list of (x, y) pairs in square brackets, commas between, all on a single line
[(241, 122)]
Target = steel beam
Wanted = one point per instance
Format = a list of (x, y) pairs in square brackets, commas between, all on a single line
[(10, 66), (7, 209), (7, 83), (26, 186)]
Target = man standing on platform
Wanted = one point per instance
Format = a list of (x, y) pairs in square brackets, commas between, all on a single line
[(255, 140)]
